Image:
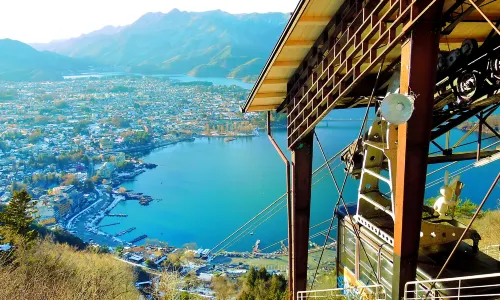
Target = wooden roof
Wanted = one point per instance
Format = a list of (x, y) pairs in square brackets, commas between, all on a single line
[(307, 23), (303, 29)]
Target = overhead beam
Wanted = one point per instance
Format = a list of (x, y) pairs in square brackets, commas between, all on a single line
[(287, 63), (475, 16), (269, 95), (275, 81), (299, 43), (457, 20), (438, 159), (418, 56), (310, 20), (254, 108)]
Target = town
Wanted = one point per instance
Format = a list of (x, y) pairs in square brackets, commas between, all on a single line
[(71, 143)]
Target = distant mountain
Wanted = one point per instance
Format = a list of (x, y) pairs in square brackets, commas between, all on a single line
[(212, 43), (21, 62)]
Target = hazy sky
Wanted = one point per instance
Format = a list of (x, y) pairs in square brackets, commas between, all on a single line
[(34, 21)]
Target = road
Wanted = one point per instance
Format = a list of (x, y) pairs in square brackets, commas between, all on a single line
[(149, 270), (69, 224)]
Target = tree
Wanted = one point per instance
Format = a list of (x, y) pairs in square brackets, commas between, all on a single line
[(119, 250), (35, 135), (190, 246), (260, 285), (168, 286), (191, 281), (173, 261), (100, 249), (88, 186), (149, 263), (277, 287), (188, 256), (464, 209), (17, 186), (251, 277), (70, 179), (18, 216), (224, 289)]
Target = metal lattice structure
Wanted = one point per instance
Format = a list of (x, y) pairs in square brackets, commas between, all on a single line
[(445, 53)]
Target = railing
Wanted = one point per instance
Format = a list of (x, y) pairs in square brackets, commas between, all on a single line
[(369, 292), (485, 286)]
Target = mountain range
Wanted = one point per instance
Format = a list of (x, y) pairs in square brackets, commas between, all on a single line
[(21, 62), (204, 44)]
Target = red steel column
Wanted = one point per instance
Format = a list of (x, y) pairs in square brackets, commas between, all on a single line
[(418, 76), (301, 208)]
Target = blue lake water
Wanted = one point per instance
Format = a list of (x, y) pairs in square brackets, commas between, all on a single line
[(214, 80), (209, 188)]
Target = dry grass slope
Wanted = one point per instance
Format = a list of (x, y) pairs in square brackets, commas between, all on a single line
[(59, 272), (488, 227)]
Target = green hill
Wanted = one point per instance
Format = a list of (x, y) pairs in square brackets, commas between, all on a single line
[(213, 43), (21, 62)]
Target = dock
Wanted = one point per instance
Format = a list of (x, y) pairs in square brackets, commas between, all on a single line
[(117, 215), (143, 199), (139, 238), (125, 231), (106, 225), (256, 247)]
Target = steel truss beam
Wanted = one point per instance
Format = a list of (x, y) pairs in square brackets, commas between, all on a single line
[(340, 70), (418, 56), (300, 213)]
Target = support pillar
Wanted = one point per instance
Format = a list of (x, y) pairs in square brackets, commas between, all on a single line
[(418, 76), (301, 208)]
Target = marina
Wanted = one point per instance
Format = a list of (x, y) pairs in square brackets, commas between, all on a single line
[(117, 215), (125, 231), (106, 225), (139, 238), (143, 199)]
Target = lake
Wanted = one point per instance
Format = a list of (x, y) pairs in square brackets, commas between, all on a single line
[(177, 77), (208, 188)]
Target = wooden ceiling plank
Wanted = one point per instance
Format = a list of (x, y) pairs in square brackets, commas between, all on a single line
[(275, 81), (285, 63), (314, 21), (269, 95), (299, 43), (255, 108)]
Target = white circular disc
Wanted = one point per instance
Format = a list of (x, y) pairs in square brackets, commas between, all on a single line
[(396, 108)]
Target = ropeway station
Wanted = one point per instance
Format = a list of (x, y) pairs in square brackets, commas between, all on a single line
[(424, 67)]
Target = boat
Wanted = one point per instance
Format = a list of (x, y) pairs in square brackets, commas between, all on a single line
[(256, 132), (229, 139)]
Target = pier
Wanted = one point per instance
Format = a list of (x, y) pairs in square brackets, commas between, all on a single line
[(139, 238), (143, 199), (106, 225), (125, 231), (256, 247), (117, 215)]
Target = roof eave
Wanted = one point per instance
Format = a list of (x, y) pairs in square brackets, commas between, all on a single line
[(289, 26)]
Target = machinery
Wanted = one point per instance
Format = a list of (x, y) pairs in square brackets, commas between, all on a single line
[(425, 67), (468, 78)]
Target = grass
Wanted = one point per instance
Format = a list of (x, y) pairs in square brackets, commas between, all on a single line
[(488, 226), (281, 263), (58, 271)]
